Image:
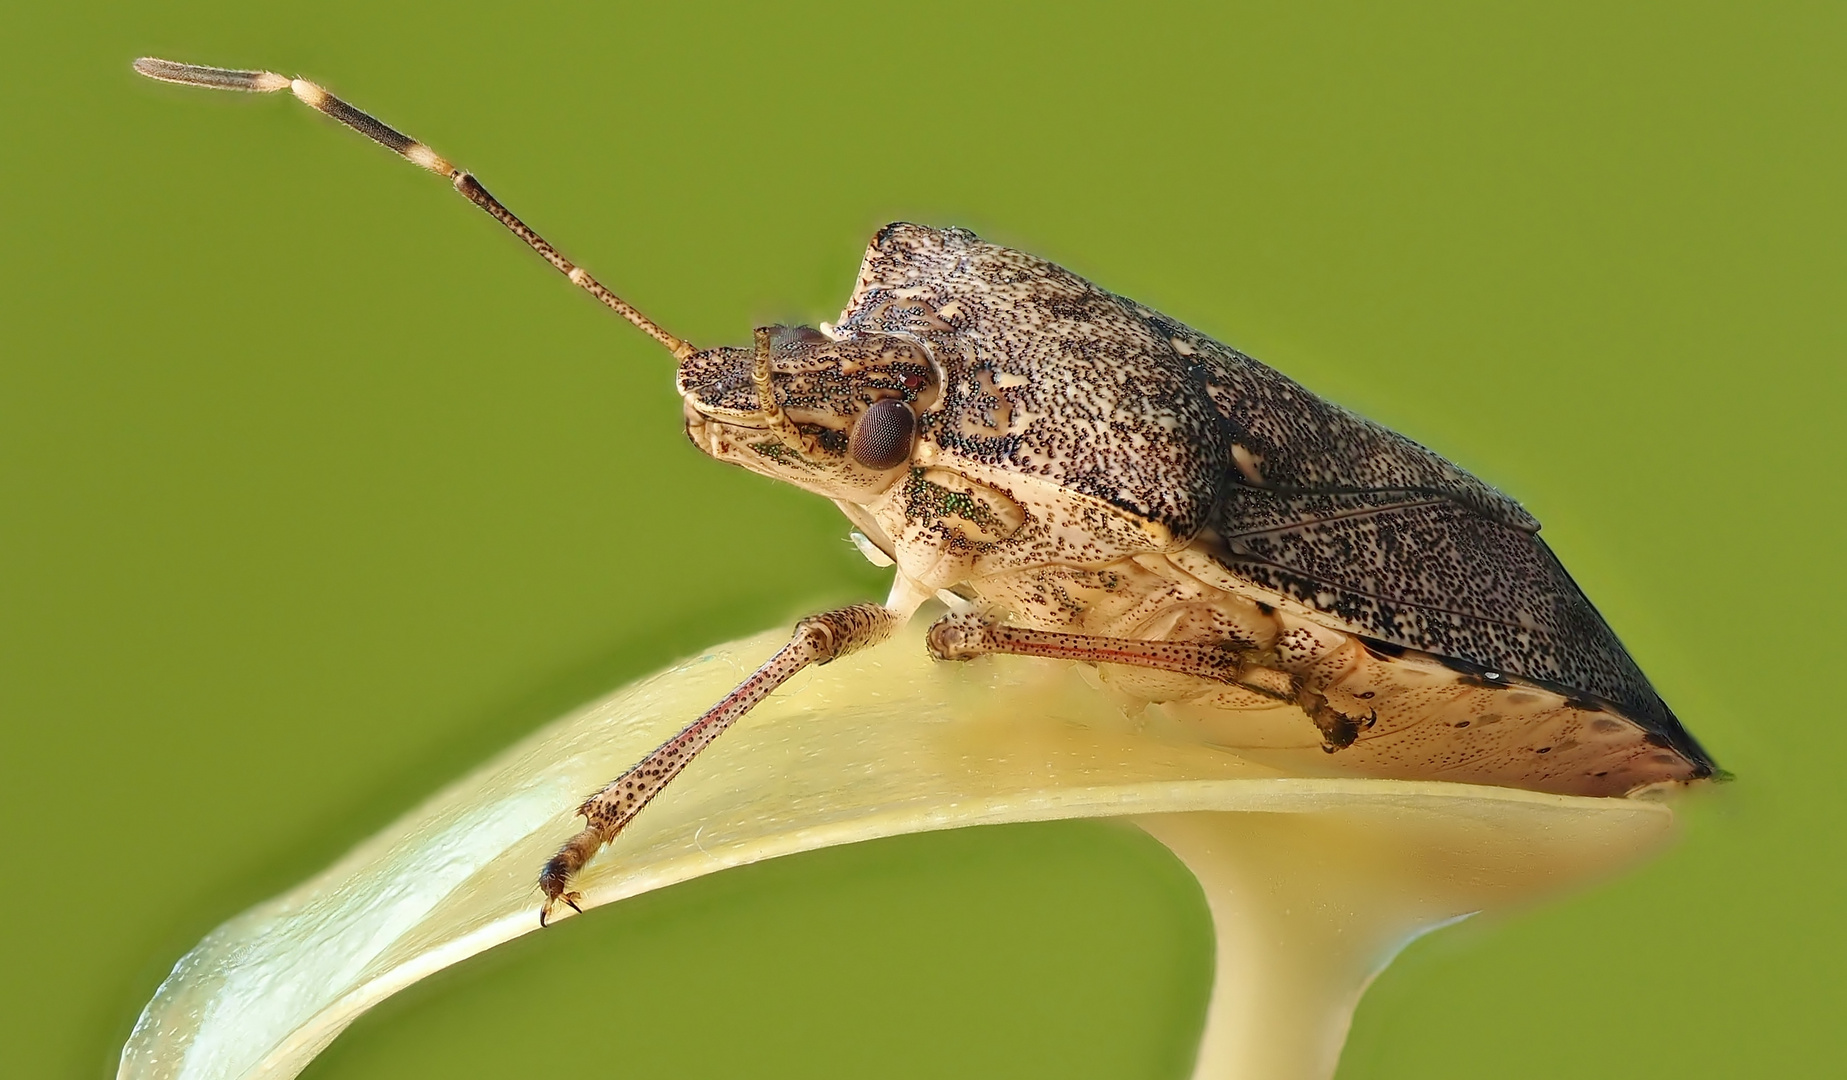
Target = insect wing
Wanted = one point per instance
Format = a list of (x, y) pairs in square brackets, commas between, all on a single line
[(1366, 526)]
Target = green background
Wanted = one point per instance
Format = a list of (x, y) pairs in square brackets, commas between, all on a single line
[(317, 489)]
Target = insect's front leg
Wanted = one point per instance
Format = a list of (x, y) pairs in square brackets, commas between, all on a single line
[(966, 635), (817, 640)]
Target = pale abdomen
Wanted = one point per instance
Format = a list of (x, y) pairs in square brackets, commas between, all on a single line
[(1436, 718)]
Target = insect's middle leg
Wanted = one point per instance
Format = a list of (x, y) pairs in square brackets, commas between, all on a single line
[(966, 635), (817, 640)]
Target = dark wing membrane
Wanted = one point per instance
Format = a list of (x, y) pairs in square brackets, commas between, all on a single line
[(1355, 520), (1296, 440), (1411, 568), (1427, 573)]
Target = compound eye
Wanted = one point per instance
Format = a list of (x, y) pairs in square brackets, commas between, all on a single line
[(882, 435)]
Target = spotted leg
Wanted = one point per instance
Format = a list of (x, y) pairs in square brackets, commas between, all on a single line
[(966, 635), (817, 640)]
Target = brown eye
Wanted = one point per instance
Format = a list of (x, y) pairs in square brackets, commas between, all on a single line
[(882, 435)]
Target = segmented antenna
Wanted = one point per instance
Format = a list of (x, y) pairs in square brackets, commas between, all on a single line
[(266, 82), (781, 426)]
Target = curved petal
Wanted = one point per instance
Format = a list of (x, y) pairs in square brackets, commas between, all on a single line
[(1313, 881)]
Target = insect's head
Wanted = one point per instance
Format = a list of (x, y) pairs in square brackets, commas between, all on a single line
[(837, 416)]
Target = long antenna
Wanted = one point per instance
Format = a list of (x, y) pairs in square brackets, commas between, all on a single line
[(266, 82)]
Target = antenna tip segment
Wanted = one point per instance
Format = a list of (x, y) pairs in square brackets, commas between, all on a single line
[(256, 82)]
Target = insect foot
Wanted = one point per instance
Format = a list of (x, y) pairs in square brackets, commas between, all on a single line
[(1338, 730), (556, 877)]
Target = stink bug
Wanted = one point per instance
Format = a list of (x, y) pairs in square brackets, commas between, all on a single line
[(1082, 477)]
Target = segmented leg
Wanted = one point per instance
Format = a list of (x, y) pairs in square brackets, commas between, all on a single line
[(967, 635), (817, 640)]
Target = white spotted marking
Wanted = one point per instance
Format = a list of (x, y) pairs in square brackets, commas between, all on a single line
[(310, 94), (420, 154), (1248, 463)]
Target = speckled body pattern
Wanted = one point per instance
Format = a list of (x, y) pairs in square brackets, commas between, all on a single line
[(1265, 567), (1090, 466)]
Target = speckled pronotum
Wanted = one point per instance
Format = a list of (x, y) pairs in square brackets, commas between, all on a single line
[(1082, 477)]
